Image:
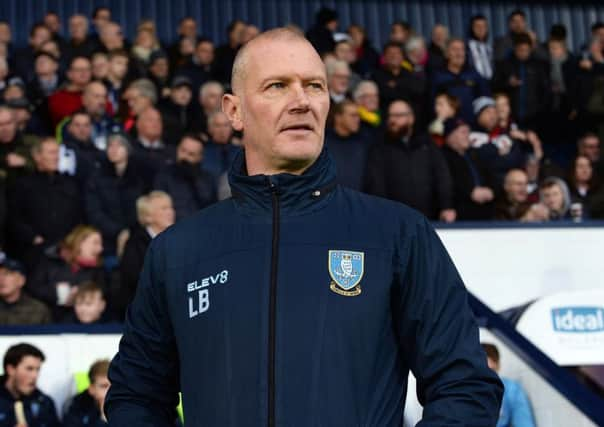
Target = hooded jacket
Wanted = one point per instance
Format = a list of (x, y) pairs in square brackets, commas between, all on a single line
[(300, 303), (38, 408)]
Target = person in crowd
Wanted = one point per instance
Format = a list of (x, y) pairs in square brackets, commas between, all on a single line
[(250, 31), (77, 259), (16, 307), (225, 54), (111, 37), (588, 145), (367, 98), (554, 195), (21, 402), (445, 107), (394, 81), (44, 206), (533, 170), (100, 65), (219, 151), (111, 193), (116, 78), (46, 80), (515, 407), (6, 40), (15, 149), (53, 22), (416, 57), (409, 168), (562, 71), (154, 213), (584, 183), (210, 102), (367, 58), (503, 45), (480, 52), (144, 45), (513, 204), (344, 51), (348, 146), (438, 46), (159, 72), (68, 98), (78, 156), (472, 188), (187, 30), (4, 73), (526, 81), (400, 32), (321, 34), (79, 43), (177, 110), (184, 54), (338, 80), (86, 408), (150, 150), (100, 17), (140, 95), (190, 187), (24, 57), (89, 306), (459, 79), (200, 68)]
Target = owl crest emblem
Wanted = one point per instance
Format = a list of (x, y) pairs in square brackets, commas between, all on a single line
[(346, 269)]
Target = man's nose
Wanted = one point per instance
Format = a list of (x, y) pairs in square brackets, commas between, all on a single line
[(301, 100)]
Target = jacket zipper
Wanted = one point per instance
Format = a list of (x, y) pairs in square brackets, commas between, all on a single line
[(273, 303)]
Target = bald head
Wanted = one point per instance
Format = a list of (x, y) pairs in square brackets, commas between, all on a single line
[(241, 60)]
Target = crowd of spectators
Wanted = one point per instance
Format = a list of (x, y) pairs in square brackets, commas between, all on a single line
[(105, 142)]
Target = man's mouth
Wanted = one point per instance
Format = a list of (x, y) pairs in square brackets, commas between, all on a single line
[(301, 127)]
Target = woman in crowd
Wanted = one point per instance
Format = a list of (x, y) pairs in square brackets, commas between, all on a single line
[(555, 196), (445, 107), (76, 260), (583, 183)]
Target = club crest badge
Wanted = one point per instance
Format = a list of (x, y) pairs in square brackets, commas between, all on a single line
[(346, 269)]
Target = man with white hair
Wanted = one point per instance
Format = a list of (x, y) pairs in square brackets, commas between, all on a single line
[(79, 43), (338, 80), (210, 99), (296, 298)]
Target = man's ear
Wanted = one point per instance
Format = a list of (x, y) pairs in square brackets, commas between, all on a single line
[(231, 106)]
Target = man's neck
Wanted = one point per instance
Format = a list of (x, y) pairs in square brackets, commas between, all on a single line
[(454, 68)]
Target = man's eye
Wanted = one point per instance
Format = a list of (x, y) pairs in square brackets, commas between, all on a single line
[(318, 86), (276, 85)]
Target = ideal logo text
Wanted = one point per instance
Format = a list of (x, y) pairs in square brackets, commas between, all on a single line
[(578, 319)]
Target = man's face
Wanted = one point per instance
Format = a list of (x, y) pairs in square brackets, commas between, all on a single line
[(487, 118), (188, 28), (583, 169), (39, 37), (400, 118), (149, 124), (393, 56), (102, 17), (8, 126), (190, 151), (522, 51), (79, 73), (161, 213), (517, 24), (159, 68), (369, 98), (553, 198), (5, 33), (98, 389), (236, 35), (440, 34), (116, 152), (44, 66), (205, 53), (515, 186), (220, 129), (78, 27), (52, 21), (398, 33), (118, 66), (89, 307), (456, 53), (459, 139), (181, 95), (111, 36), (24, 376), (47, 159), (480, 28), (349, 119), (338, 81), (95, 99), (11, 283), (344, 52), (211, 99), (283, 107), (100, 67), (136, 101), (80, 127), (249, 33), (589, 148)]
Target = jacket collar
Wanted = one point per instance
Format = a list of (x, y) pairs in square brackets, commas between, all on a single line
[(298, 194)]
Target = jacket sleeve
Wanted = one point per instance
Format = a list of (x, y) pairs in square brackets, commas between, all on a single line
[(144, 374), (440, 337)]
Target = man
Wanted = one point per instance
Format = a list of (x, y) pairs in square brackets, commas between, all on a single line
[(149, 149), (78, 154), (15, 156), (516, 25), (177, 110), (321, 34), (21, 402), (472, 192), (24, 57), (68, 99), (409, 168), (515, 407), (18, 308), (188, 184), (249, 275), (86, 408), (225, 54), (45, 206), (219, 152), (201, 67), (154, 213), (111, 37), (338, 78), (459, 79), (348, 145), (514, 205), (367, 97), (79, 44), (589, 146), (210, 98), (116, 76)]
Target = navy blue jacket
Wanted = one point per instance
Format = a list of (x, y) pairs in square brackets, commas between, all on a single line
[(237, 308), (39, 409), (83, 411)]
